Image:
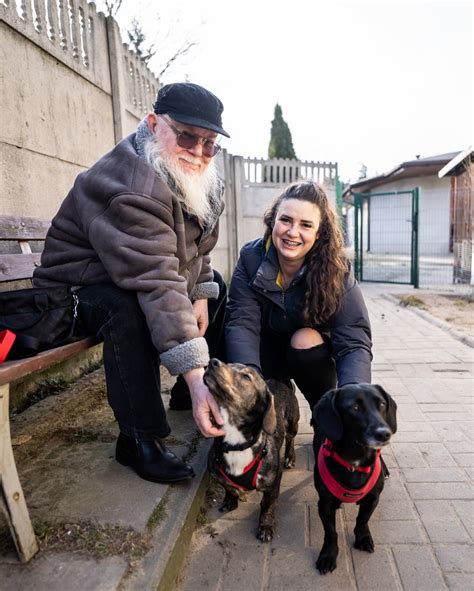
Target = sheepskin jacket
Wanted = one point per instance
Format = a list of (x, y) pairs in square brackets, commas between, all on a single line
[(121, 223), (257, 306)]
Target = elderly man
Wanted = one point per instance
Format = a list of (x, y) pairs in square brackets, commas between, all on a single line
[(133, 236)]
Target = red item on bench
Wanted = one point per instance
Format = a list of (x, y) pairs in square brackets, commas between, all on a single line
[(7, 338)]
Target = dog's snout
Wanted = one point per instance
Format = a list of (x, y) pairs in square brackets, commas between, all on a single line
[(383, 434), (215, 362)]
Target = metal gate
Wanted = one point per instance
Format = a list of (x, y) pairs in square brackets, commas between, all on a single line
[(386, 237)]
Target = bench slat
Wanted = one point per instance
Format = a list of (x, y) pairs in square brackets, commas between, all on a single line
[(13, 228), (19, 368), (18, 266)]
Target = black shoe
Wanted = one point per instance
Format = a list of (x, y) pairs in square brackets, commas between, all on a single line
[(180, 397), (151, 460)]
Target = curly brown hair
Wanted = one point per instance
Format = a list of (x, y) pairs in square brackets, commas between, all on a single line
[(326, 262)]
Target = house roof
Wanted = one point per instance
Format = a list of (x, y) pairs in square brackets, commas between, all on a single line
[(453, 165), (409, 169)]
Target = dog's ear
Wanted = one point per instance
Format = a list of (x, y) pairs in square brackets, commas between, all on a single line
[(327, 417), (391, 409), (270, 418)]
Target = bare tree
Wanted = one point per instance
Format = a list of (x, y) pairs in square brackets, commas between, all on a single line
[(112, 6), (164, 43), (183, 50), (137, 39)]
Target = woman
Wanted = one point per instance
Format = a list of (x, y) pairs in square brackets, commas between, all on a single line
[(295, 309)]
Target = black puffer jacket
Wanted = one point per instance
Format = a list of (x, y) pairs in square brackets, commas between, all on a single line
[(258, 305)]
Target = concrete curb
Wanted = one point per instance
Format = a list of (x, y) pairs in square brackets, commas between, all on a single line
[(466, 339), (162, 564)]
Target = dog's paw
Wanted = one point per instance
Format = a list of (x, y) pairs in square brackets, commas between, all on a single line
[(326, 563), (290, 463), (265, 533), (365, 543), (229, 504)]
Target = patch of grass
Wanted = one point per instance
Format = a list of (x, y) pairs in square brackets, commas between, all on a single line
[(193, 445), (411, 300), (202, 518), (47, 387), (92, 366), (159, 512), (91, 539)]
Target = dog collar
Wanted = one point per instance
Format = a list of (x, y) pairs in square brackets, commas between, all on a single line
[(226, 447), (346, 495)]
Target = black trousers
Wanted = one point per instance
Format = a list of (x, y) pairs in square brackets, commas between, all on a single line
[(131, 362), (313, 370)]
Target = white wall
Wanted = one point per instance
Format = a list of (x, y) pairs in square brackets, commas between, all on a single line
[(390, 226)]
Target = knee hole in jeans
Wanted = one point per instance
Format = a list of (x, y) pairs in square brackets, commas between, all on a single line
[(306, 338)]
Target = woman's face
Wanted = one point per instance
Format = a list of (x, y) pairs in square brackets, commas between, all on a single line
[(296, 229)]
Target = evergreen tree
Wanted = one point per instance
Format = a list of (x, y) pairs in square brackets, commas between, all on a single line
[(281, 144)]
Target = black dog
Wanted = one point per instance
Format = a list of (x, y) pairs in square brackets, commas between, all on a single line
[(256, 421), (352, 424)]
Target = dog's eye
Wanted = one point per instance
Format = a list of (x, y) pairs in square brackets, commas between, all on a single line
[(382, 405), (355, 407), (246, 376)]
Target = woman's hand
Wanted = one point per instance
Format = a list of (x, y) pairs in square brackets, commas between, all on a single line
[(202, 315), (205, 410)]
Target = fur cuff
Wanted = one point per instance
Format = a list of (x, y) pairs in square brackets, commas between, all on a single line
[(209, 290), (189, 355)]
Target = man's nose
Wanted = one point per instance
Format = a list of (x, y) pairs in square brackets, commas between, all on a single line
[(196, 150)]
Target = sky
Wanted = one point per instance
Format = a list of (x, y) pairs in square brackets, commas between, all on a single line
[(360, 83)]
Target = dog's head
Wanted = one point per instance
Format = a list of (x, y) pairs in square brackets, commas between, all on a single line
[(364, 413), (243, 395)]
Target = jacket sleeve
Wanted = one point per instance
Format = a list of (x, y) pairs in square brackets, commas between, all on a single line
[(242, 330), (135, 240), (351, 337)]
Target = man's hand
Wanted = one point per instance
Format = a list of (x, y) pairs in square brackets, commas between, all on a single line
[(202, 315), (205, 410)]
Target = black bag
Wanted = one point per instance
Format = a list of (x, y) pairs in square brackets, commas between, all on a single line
[(41, 318)]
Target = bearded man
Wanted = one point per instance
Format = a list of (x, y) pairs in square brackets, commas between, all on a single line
[(133, 238)]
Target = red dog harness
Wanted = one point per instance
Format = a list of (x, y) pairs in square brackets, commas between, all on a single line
[(248, 479), (346, 495)]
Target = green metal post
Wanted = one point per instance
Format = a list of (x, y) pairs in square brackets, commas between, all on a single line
[(356, 236), (415, 267)]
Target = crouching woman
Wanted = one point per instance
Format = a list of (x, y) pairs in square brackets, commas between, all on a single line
[(295, 310)]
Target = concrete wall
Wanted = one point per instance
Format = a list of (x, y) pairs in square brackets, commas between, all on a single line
[(70, 89)]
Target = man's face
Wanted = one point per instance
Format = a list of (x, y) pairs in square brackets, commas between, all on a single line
[(191, 160)]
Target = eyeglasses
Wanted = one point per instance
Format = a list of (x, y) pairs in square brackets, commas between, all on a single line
[(188, 141)]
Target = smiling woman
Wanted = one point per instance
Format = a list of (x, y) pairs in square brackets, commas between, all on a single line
[(295, 309)]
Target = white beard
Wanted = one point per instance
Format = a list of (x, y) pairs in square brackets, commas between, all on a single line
[(194, 187)]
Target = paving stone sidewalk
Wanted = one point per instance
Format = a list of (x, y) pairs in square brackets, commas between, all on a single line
[(424, 525)]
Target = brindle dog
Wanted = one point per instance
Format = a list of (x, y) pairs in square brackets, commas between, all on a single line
[(258, 416)]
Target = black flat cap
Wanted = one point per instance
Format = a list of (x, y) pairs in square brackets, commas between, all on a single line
[(191, 104)]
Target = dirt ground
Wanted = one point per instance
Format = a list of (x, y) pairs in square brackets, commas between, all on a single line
[(456, 310)]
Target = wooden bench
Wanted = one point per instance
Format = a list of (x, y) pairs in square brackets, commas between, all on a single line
[(16, 270)]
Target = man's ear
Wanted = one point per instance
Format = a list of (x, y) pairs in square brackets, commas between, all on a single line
[(327, 417), (151, 121), (270, 418), (391, 409)]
